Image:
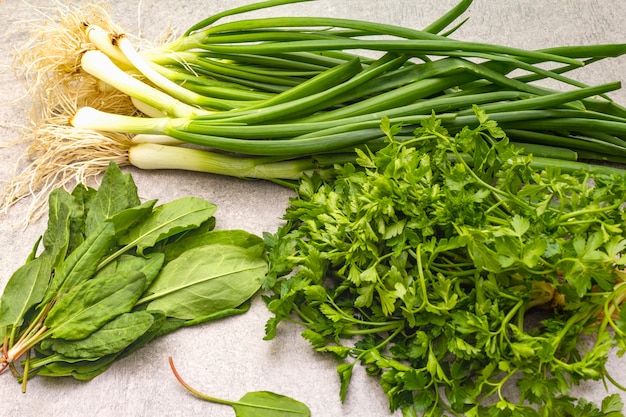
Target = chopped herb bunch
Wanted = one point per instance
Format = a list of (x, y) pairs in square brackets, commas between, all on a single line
[(450, 266)]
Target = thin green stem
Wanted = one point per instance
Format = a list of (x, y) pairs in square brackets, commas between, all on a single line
[(193, 390)]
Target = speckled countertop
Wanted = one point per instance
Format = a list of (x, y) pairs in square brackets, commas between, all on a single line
[(229, 358)]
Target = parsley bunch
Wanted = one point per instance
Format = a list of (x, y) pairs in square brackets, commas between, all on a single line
[(450, 267)]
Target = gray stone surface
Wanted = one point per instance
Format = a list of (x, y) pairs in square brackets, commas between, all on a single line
[(229, 358)]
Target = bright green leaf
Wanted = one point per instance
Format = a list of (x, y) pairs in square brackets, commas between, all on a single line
[(206, 280), (93, 303), (111, 338), (167, 220)]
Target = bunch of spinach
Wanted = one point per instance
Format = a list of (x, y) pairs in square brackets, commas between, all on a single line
[(115, 273), (449, 267)]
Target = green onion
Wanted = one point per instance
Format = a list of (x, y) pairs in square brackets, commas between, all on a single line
[(285, 95), (149, 156)]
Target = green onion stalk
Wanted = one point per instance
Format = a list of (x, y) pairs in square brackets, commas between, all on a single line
[(274, 98)]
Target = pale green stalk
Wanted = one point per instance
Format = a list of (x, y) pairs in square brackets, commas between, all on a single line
[(99, 65), (158, 156)]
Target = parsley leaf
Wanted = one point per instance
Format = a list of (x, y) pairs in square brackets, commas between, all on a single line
[(447, 266)]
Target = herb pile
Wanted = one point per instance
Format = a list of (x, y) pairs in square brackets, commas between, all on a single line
[(451, 268), (115, 273)]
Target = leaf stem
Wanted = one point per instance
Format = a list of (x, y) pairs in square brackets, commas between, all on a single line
[(25, 372), (193, 390), (27, 343), (397, 325), (600, 209)]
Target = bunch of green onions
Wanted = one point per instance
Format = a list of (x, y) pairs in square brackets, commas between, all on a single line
[(273, 98)]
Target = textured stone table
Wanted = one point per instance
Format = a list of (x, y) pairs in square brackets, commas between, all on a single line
[(229, 358)]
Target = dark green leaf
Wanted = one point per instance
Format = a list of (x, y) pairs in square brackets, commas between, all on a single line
[(269, 404), (226, 237), (110, 339), (158, 328), (117, 192), (80, 369), (205, 280), (167, 220), (150, 265), (56, 238), (82, 195), (93, 303), (25, 289), (218, 315), (83, 261), (125, 219)]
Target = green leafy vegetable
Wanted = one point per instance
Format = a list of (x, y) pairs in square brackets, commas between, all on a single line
[(117, 192), (169, 219), (449, 265), (254, 404), (102, 287), (205, 280), (90, 305), (24, 290), (109, 339)]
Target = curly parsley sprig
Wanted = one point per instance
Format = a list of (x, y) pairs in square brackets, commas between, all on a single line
[(450, 266)]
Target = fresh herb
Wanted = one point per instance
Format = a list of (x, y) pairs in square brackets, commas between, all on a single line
[(448, 266), (115, 273), (253, 404)]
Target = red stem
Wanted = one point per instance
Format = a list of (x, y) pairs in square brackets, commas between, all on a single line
[(194, 391)]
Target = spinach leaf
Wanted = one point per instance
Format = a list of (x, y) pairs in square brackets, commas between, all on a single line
[(25, 289), (269, 404), (93, 303), (109, 339), (83, 261), (159, 324), (57, 237), (205, 280), (58, 365), (149, 264), (117, 192), (218, 315), (78, 304), (125, 219), (239, 238), (167, 220), (82, 195)]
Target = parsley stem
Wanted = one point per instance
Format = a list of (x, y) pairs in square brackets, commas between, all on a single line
[(497, 386), (449, 273), (383, 327), (580, 317), (504, 334), (422, 280), (600, 209), (496, 192), (500, 220), (354, 320), (305, 319), (614, 382), (615, 300), (581, 222)]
